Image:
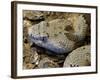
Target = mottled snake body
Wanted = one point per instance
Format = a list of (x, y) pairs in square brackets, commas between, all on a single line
[(53, 35)]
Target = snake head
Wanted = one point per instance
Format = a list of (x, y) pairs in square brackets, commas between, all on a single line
[(37, 33)]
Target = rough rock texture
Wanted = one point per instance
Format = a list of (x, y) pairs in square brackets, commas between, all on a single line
[(30, 57), (33, 15), (79, 57), (47, 63)]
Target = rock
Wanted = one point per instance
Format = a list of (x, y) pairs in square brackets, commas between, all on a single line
[(33, 15), (27, 59), (47, 63), (26, 50), (79, 57), (34, 58), (27, 23), (30, 55), (28, 66), (56, 35), (55, 15)]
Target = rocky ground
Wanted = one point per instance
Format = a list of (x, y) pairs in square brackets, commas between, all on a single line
[(35, 57)]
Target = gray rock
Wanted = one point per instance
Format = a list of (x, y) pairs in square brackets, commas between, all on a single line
[(33, 15), (47, 63), (79, 57)]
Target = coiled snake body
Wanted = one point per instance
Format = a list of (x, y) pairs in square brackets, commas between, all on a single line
[(59, 35)]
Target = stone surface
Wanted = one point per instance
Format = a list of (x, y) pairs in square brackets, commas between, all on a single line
[(33, 15), (79, 57), (47, 63)]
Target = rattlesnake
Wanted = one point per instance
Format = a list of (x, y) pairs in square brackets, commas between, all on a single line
[(59, 35)]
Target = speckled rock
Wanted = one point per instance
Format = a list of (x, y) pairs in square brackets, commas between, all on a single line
[(30, 57), (59, 35), (27, 23), (47, 63), (33, 15), (79, 57), (28, 66), (26, 50), (35, 57)]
